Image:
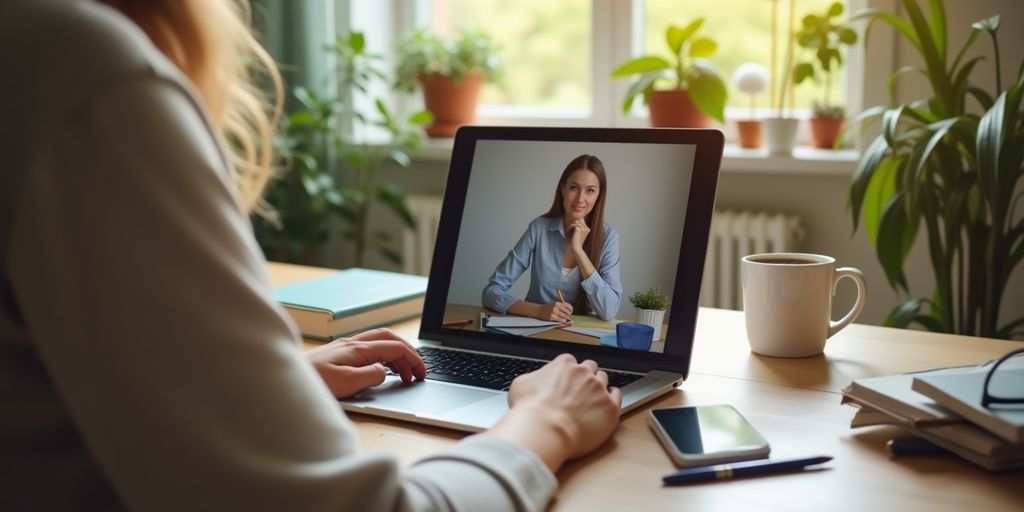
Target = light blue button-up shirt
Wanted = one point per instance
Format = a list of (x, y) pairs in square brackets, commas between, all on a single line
[(543, 245)]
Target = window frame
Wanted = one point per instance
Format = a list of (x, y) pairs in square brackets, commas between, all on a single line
[(620, 25)]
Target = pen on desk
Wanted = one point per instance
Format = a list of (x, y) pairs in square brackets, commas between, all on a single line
[(561, 298), (456, 323), (739, 469)]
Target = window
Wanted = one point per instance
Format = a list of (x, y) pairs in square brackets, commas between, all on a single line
[(743, 35), (559, 54), (545, 45)]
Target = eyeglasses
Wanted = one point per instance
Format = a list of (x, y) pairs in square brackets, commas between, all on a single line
[(987, 399)]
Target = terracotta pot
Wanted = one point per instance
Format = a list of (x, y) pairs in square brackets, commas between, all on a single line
[(751, 135), (825, 131), (675, 109), (452, 102)]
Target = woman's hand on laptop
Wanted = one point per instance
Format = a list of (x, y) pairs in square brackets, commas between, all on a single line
[(562, 411), (350, 365)]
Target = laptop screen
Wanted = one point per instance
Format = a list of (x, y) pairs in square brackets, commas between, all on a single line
[(551, 238)]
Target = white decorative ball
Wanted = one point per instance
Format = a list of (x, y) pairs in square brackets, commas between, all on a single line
[(750, 78)]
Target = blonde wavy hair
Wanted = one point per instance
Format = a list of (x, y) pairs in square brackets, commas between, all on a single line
[(210, 41)]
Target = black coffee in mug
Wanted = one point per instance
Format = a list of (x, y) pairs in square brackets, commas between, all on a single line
[(783, 261)]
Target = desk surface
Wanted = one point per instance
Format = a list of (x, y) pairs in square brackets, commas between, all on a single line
[(793, 402)]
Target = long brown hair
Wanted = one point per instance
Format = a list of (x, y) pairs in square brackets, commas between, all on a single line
[(594, 243), (211, 43)]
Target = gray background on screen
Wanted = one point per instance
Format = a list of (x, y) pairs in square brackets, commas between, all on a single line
[(513, 182)]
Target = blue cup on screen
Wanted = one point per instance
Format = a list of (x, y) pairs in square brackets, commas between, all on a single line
[(634, 335)]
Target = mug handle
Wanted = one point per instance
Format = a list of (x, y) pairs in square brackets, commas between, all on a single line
[(862, 291)]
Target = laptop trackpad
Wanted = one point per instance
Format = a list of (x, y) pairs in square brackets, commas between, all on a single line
[(424, 397)]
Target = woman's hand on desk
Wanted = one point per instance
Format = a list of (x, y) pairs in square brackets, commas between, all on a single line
[(350, 365), (556, 311), (562, 411)]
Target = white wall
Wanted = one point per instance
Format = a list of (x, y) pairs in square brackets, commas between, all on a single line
[(513, 182)]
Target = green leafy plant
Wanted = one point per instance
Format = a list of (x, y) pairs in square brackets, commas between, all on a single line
[(426, 53), (650, 299), (686, 69), (824, 35), (940, 166), (329, 182)]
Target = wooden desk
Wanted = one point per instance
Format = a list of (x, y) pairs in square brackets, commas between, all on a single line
[(793, 402)]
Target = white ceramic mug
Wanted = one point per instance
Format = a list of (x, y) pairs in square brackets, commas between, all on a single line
[(787, 302)]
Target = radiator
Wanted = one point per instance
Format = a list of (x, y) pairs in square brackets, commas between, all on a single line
[(737, 234), (418, 244)]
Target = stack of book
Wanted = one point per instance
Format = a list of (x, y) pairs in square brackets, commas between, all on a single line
[(944, 406), (352, 300)]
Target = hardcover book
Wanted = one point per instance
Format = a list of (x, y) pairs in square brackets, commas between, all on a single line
[(961, 393), (352, 300)]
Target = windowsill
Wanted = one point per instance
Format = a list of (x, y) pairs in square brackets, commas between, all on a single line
[(804, 160)]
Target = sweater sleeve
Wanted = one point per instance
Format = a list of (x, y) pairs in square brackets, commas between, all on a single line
[(496, 294), (604, 287), (136, 273)]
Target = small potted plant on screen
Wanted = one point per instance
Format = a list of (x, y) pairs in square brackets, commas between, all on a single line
[(650, 308)]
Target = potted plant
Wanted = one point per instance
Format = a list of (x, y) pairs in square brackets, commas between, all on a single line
[(683, 90), (824, 35), (650, 308), (450, 73), (940, 166), (329, 182), (750, 78), (780, 129)]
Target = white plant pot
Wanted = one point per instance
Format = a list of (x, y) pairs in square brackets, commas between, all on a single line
[(653, 318), (780, 134)]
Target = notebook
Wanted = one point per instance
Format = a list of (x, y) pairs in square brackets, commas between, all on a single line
[(657, 204), (961, 393)]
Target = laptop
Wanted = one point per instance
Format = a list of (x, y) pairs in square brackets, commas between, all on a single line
[(502, 181)]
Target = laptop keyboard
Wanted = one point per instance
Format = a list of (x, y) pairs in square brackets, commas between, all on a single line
[(489, 371)]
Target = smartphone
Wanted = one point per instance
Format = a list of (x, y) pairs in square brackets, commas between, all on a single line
[(707, 434)]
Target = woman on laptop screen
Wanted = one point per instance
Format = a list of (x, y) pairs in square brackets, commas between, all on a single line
[(574, 254)]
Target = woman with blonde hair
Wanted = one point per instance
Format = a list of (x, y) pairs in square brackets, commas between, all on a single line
[(144, 363)]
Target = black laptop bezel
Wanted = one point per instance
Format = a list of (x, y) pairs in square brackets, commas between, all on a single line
[(693, 247)]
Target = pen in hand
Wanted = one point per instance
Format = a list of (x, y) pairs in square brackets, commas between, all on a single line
[(740, 469), (561, 298)]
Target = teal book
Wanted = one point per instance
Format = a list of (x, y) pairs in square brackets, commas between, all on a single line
[(352, 300)]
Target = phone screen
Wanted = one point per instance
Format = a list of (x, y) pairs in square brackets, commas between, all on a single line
[(708, 429)]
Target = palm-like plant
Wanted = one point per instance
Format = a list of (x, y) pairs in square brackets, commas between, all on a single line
[(938, 165)]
